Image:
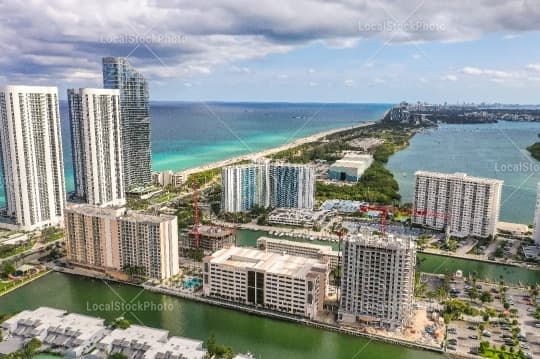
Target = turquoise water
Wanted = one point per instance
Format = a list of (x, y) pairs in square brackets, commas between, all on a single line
[(490, 150), (186, 134)]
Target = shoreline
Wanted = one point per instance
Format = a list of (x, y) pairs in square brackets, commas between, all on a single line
[(263, 313), (251, 156)]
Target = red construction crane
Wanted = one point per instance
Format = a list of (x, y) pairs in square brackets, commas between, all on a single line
[(384, 213), (196, 214)]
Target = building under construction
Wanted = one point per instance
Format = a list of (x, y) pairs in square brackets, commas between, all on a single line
[(210, 238)]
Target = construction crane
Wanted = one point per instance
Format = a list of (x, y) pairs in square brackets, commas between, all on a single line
[(387, 209), (384, 213), (196, 214)]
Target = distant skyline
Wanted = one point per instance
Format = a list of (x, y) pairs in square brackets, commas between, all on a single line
[(301, 51)]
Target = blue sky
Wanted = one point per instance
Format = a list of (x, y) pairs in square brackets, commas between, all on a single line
[(307, 50)]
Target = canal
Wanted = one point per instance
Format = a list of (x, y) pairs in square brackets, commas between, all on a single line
[(431, 263), (265, 338)]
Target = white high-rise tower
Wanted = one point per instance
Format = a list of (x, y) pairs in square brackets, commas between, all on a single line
[(32, 161), (537, 218), (96, 136)]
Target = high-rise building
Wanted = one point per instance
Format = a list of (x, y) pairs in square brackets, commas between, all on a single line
[(460, 204), (292, 185), (115, 240), (245, 186), (135, 114), (96, 146), (377, 285), (290, 284), (537, 218), (32, 162), (267, 185)]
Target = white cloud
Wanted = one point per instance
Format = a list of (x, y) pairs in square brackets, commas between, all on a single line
[(58, 38), (534, 67), (349, 83), (312, 84), (449, 77), (493, 74)]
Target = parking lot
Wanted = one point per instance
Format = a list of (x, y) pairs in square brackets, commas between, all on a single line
[(464, 336)]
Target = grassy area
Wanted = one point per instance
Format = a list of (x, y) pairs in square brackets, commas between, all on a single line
[(7, 286), (8, 250)]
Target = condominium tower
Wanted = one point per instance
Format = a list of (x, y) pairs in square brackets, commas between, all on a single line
[(267, 185), (378, 280), (537, 218), (292, 185), (460, 204), (32, 162), (135, 114), (245, 186), (96, 146), (115, 240), (290, 284)]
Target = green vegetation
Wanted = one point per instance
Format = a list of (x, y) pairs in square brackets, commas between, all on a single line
[(217, 350), (203, 177), (9, 250), (534, 150), (502, 353), (120, 323), (137, 204), (377, 185), (117, 356), (455, 308), (134, 271), (27, 352)]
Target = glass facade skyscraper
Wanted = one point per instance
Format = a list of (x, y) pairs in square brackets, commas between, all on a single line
[(135, 115)]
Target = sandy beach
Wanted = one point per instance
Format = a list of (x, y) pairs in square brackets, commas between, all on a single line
[(270, 151)]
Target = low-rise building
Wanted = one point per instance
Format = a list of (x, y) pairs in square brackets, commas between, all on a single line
[(169, 178), (211, 238), (297, 217), (377, 285), (300, 249), (70, 334), (150, 343), (284, 283), (350, 168), (342, 205)]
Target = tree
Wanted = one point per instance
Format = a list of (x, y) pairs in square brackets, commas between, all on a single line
[(486, 297), (117, 356), (7, 269)]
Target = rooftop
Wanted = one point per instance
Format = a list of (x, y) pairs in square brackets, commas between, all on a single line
[(366, 238), (273, 263), (458, 176)]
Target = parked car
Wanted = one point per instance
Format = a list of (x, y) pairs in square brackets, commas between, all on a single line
[(474, 336)]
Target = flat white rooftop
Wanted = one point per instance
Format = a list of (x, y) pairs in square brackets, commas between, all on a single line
[(459, 177), (272, 263)]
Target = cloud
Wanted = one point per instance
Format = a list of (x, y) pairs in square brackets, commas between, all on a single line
[(534, 67), (312, 84), (449, 77), (349, 83), (61, 40), (494, 74)]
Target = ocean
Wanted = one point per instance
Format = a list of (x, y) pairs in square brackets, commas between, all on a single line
[(187, 134)]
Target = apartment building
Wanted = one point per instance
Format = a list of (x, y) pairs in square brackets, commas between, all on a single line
[(377, 285), (284, 283), (292, 185), (300, 249), (537, 218), (266, 185), (460, 204), (119, 74), (32, 162), (96, 146), (117, 240), (245, 186)]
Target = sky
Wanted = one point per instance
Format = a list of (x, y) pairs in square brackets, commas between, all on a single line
[(358, 51)]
